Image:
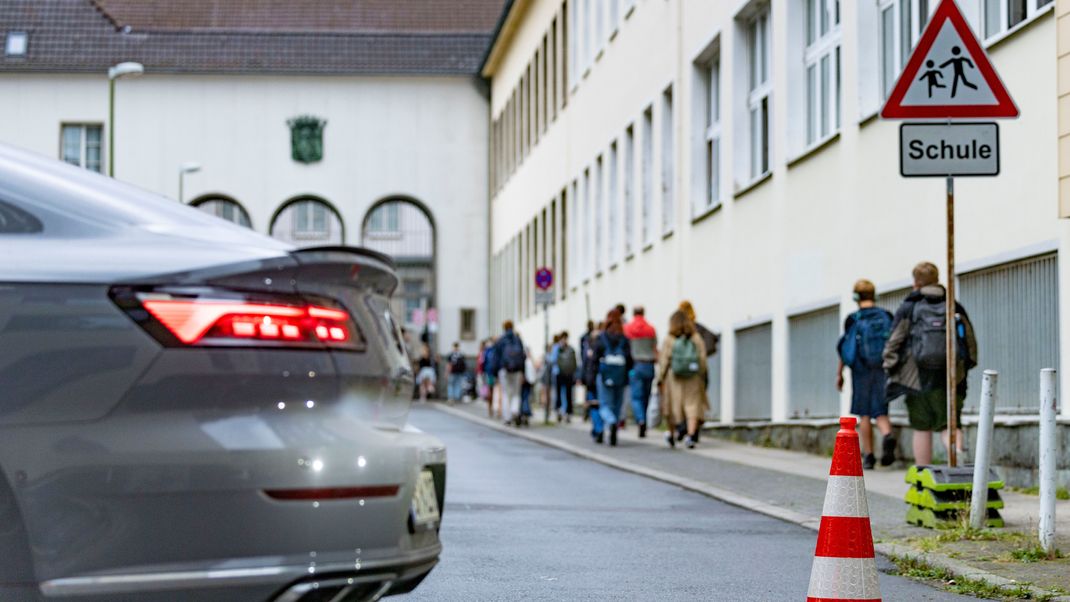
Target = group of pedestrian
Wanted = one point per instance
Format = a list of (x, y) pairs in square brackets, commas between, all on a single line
[(905, 355), (506, 375)]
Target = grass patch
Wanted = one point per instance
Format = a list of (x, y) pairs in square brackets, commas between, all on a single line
[(1034, 553), (1061, 493), (916, 568)]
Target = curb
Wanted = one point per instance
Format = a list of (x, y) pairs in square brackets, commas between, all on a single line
[(955, 567)]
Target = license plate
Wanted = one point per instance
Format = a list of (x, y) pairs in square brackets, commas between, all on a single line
[(425, 500)]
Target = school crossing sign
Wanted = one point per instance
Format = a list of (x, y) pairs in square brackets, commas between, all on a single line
[(949, 75), (949, 78)]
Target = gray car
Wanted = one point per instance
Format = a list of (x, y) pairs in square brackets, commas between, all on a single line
[(190, 410)]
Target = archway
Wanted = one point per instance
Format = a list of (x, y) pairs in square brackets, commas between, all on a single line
[(404, 229), (308, 221), (223, 207)]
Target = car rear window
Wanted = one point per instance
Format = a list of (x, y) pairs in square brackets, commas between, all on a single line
[(14, 220)]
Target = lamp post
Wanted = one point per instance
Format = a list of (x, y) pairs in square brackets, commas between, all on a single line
[(184, 169), (114, 73)]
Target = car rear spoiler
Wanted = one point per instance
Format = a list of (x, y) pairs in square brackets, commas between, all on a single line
[(341, 263)]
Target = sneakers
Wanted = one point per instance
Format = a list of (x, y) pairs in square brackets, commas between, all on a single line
[(869, 462), (669, 439), (888, 449), (689, 441), (613, 436), (642, 431), (599, 438)]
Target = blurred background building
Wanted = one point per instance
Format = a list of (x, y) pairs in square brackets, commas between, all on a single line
[(319, 122)]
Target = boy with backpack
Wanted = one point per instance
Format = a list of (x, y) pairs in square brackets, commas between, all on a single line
[(457, 368), (511, 358), (861, 349), (915, 359), (565, 366)]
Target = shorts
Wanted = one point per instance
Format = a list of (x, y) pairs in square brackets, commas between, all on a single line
[(927, 410), (426, 374), (867, 392)]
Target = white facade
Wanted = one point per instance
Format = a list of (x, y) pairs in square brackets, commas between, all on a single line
[(761, 192), (419, 139)]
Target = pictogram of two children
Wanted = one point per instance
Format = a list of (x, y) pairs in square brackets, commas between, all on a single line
[(932, 75)]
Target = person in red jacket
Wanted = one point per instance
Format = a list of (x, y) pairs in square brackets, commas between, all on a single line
[(643, 340)]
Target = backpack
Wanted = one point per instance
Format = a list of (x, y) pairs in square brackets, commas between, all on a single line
[(457, 363), (566, 361), (863, 344), (513, 355), (685, 359), (492, 364), (613, 365), (928, 342)]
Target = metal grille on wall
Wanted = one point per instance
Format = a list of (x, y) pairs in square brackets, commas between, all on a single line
[(811, 356), (1015, 312), (713, 389), (754, 373)]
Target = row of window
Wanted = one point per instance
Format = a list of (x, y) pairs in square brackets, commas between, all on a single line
[(894, 25), (533, 104)]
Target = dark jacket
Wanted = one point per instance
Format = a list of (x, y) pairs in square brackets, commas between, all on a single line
[(904, 375), (598, 350), (507, 338), (709, 338)]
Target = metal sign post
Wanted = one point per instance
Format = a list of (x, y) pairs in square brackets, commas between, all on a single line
[(951, 330)]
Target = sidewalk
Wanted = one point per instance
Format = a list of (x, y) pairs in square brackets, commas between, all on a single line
[(791, 486)]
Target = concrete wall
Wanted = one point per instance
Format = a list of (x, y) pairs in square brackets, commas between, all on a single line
[(826, 216), (419, 138)]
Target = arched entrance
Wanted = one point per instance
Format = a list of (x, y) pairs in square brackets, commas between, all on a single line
[(308, 221), (403, 228)]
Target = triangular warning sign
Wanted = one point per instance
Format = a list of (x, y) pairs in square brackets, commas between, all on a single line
[(948, 75)]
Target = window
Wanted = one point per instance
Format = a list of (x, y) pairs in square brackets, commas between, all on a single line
[(16, 43), (588, 227), (587, 29), (468, 324), (572, 43), (614, 15), (629, 190), (668, 164), (1003, 15), (599, 215), (224, 209), (384, 220), (711, 80), (647, 174), (613, 210), (308, 221), (81, 145), (822, 60), (758, 96), (901, 24), (14, 220), (572, 227), (600, 29)]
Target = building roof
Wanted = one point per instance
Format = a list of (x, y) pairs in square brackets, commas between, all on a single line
[(448, 37)]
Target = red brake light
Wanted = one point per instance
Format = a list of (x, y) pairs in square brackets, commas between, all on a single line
[(213, 321)]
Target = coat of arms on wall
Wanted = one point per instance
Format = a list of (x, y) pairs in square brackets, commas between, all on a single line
[(306, 138)]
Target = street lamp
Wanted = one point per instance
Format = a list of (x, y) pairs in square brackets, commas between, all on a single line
[(184, 169), (114, 73)]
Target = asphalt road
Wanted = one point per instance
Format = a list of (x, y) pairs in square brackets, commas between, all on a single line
[(523, 521)]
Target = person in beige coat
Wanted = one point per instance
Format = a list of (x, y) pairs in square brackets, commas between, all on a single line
[(681, 383)]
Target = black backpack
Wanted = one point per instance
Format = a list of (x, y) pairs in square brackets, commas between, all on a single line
[(513, 355), (457, 363), (566, 361)]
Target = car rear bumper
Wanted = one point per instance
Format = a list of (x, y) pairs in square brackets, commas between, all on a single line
[(258, 579)]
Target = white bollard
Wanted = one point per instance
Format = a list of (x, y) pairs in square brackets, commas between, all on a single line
[(1047, 459), (983, 452)]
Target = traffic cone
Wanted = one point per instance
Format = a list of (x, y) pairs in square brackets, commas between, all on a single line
[(844, 566)]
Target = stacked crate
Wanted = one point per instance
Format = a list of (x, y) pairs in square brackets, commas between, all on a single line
[(939, 496)]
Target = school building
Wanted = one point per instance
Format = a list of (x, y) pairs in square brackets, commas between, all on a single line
[(731, 153)]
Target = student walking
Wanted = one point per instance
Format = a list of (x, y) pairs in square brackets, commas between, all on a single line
[(607, 371), (490, 365), (590, 395), (511, 356), (682, 378), (565, 365), (426, 378), (915, 359), (643, 340), (861, 349), (456, 370), (710, 340)]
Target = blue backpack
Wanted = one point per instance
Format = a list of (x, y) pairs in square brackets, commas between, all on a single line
[(491, 362), (613, 365), (863, 345)]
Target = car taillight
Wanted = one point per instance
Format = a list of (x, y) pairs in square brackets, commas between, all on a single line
[(226, 319)]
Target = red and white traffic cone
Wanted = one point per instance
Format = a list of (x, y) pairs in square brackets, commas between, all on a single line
[(844, 566)]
